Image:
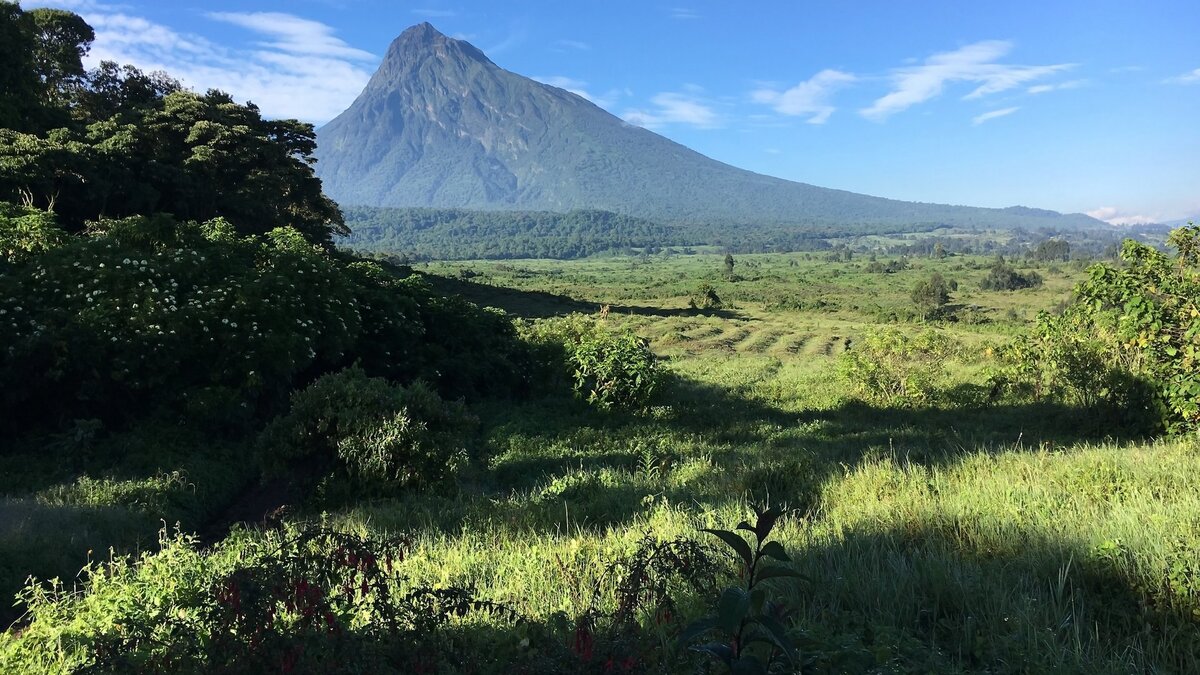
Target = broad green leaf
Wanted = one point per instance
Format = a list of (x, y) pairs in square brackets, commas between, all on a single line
[(736, 543)]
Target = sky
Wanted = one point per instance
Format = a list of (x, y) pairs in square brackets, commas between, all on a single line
[(1078, 106)]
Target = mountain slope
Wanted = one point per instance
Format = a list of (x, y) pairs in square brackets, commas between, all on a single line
[(440, 125)]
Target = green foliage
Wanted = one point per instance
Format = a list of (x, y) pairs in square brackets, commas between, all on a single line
[(307, 600), (705, 298), (1129, 341), (150, 314), (931, 295), (1065, 359), (1052, 250), (26, 232), (608, 367), (375, 431), (890, 367), (750, 623), (1002, 277), (462, 234), (1148, 310)]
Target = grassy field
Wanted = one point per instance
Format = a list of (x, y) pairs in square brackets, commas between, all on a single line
[(944, 538)]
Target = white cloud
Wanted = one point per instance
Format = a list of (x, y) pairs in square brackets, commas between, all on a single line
[(1058, 86), (684, 13), (1117, 216), (674, 108), (293, 34), (980, 119), (809, 98), (1187, 78), (579, 88), (975, 63), (297, 68)]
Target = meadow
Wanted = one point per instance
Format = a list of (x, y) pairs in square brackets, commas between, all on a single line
[(949, 536)]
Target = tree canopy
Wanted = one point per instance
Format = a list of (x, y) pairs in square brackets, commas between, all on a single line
[(117, 142)]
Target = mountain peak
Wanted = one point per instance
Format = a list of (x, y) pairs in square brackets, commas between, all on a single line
[(440, 125), (422, 41), (423, 32)]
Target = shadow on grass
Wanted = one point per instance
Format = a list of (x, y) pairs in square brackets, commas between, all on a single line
[(556, 463), (541, 304)]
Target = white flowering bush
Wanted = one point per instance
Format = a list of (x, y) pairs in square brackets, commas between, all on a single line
[(146, 313)]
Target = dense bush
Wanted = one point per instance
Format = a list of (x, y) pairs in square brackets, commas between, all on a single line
[(146, 314), (890, 367), (607, 367), (374, 431), (1002, 277), (705, 298), (1129, 341), (931, 295)]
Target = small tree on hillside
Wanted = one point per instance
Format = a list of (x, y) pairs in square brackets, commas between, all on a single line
[(931, 295), (728, 265)]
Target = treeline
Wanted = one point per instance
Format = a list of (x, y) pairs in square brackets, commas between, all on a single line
[(464, 234), (461, 234)]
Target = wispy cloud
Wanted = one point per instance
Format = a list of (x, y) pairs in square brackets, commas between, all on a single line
[(1003, 112), (684, 13), (516, 35), (572, 44), (293, 34), (1115, 215), (579, 88), (1187, 78), (435, 13), (675, 108), (976, 63), (295, 68), (809, 98), (1057, 86)]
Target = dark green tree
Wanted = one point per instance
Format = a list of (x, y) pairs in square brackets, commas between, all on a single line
[(19, 86), (729, 265), (61, 41), (931, 295)]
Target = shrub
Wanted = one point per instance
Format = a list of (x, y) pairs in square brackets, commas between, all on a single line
[(607, 367), (1064, 360), (377, 432), (1002, 277), (25, 232), (1148, 311), (705, 298), (891, 368), (931, 295)]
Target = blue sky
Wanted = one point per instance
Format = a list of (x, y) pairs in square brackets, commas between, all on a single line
[(1074, 106)]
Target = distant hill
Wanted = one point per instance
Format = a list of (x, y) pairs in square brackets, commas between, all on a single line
[(440, 125)]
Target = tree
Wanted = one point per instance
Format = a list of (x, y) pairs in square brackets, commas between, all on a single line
[(931, 295), (1052, 250), (728, 265), (18, 81), (1002, 277), (62, 39)]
